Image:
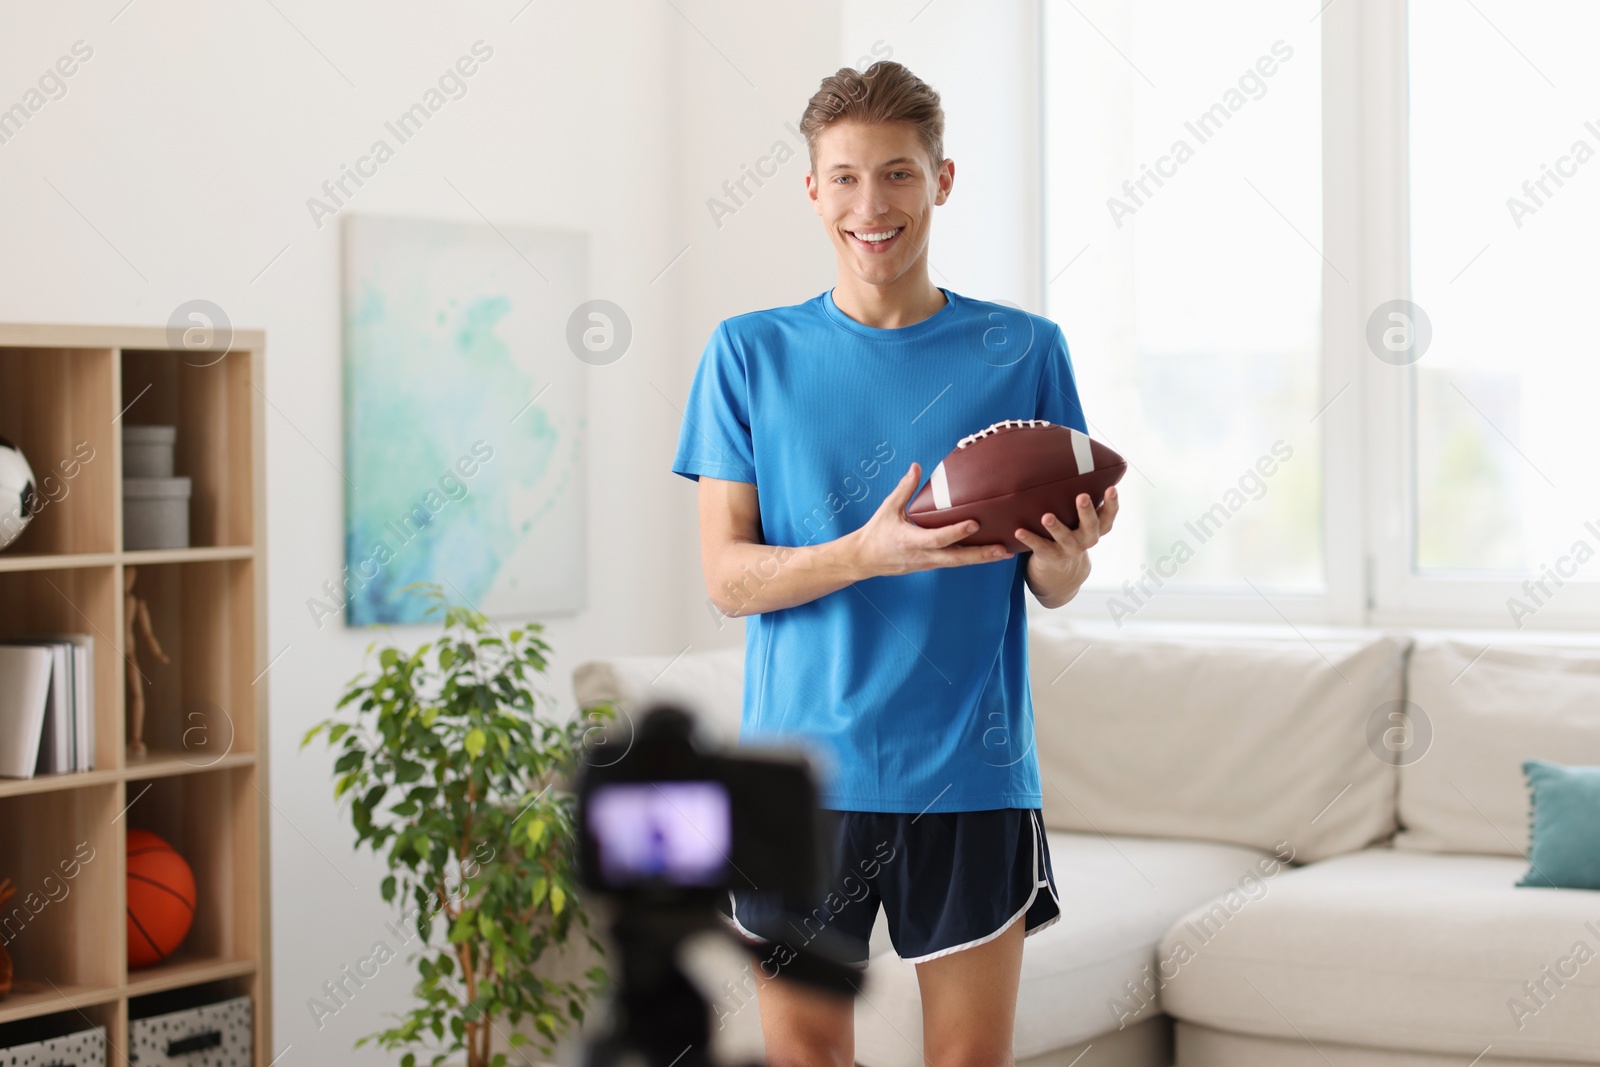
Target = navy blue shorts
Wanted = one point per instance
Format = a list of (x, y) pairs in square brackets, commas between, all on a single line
[(948, 880)]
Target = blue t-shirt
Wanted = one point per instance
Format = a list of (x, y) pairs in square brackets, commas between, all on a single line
[(909, 691)]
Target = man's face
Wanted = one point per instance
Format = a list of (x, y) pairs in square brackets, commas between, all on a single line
[(872, 181)]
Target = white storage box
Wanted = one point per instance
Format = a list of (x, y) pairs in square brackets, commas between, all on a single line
[(210, 1035), (85, 1048)]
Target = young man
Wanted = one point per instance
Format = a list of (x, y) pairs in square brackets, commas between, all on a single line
[(897, 658)]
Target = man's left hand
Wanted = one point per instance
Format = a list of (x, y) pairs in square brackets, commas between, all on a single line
[(1059, 565)]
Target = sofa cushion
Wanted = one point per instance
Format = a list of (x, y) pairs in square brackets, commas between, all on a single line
[(1205, 1046), (1250, 741), (708, 684), (1118, 895), (1488, 710), (1398, 949)]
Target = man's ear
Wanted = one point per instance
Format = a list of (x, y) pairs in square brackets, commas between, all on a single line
[(946, 181), (811, 192)]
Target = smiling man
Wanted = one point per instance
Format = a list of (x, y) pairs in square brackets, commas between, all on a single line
[(898, 659)]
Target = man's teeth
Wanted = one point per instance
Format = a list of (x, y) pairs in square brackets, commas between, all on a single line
[(874, 238)]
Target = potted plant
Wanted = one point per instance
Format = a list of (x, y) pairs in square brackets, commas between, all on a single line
[(455, 778)]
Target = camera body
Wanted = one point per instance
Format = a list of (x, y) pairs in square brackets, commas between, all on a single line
[(672, 823), (665, 831)]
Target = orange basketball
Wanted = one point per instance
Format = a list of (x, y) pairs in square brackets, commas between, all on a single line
[(161, 898)]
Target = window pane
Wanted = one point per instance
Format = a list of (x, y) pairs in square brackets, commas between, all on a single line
[(1183, 193), (1505, 210)]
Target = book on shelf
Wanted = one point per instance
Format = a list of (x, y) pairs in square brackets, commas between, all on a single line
[(24, 695), (52, 732)]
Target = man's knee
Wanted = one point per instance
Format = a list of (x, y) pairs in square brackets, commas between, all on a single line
[(805, 1028)]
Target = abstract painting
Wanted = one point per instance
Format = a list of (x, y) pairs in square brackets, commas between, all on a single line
[(464, 438)]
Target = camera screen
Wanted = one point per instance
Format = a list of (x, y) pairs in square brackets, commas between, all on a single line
[(678, 832)]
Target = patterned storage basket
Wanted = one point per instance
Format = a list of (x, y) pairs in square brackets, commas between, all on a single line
[(86, 1048), (211, 1035)]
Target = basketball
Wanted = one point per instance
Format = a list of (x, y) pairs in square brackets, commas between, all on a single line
[(161, 898)]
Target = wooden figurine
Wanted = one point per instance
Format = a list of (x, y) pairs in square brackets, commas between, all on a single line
[(137, 621)]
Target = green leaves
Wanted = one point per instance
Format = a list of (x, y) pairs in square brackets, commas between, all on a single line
[(447, 758), (315, 730)]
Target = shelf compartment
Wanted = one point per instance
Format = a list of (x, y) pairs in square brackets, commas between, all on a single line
[(243, 983), (56, 405), (201, 705), (207, 396), (210, 819), (72, 600), (63, 853)]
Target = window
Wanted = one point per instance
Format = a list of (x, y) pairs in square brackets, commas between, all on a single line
[(1505, 212), (1325, 270), (1183, 219)]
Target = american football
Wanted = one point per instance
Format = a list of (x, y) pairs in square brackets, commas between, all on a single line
[(1009, 475)]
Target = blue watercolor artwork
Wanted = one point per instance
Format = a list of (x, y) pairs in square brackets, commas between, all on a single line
[(464, 438)]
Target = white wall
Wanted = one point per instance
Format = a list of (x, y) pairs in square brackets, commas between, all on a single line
[(983, 61), (178, 164)]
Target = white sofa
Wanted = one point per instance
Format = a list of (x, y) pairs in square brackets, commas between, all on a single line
[(1222, 807)]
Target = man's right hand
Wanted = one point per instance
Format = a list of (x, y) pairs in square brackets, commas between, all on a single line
[(890, 543)]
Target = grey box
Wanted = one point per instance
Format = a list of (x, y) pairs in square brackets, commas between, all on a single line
[(147, 451), (155, 513)]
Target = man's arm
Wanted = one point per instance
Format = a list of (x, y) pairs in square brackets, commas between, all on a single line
[(745, 576)]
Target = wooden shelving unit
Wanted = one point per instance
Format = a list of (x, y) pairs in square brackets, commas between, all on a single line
[(203, 784)]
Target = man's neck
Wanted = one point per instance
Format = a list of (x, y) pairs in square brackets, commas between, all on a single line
[(904, 302)]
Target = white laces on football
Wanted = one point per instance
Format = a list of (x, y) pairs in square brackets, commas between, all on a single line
[(971, 437)]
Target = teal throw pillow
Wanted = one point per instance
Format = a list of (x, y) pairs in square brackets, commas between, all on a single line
[(1565, 850)]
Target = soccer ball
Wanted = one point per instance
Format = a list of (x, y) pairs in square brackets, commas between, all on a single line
[(19, 501)]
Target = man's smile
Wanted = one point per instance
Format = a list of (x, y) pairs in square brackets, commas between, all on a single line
[(877, 239)]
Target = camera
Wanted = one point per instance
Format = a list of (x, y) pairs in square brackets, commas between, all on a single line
[(665, 832), (673, 824)]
